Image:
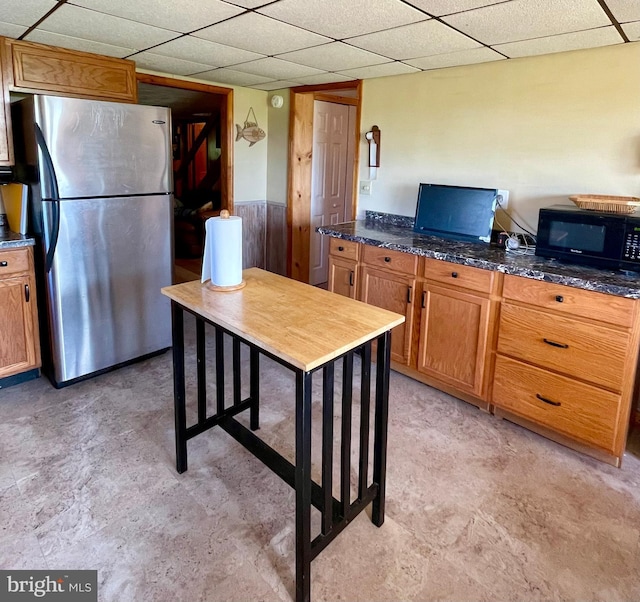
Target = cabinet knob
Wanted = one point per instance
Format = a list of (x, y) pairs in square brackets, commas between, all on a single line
[(559, 298), (454, 274), (387, 259), (340, 248), (3, 264)]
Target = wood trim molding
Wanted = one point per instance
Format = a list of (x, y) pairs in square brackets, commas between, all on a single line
[(226, 123), (300, 166)]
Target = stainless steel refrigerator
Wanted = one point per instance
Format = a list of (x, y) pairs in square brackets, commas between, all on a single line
[(101, 184)]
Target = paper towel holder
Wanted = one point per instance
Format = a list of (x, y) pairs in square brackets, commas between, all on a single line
[(224, 214)]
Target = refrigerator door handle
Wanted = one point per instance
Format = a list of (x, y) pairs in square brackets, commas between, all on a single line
[(55, 197)]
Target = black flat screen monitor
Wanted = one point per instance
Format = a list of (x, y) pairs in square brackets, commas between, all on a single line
[(456, 212)]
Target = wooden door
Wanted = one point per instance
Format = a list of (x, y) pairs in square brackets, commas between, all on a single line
[(342, 276), (395, 293), (453, 337), (18, 349), (331, 130)]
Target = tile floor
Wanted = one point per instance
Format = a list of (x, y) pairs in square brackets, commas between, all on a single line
[(477, 508)]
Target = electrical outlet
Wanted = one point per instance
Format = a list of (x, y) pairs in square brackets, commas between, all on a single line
[(365, 187), (504, 201)]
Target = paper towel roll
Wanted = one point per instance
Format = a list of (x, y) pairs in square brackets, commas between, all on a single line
[(222, 258)]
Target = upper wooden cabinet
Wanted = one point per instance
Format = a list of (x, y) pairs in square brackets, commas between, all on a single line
[(6, 146), (38, 68)]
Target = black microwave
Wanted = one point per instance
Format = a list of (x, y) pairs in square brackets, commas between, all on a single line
[(604, 240)]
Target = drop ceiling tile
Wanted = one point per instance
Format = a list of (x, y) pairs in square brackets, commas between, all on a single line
[(411, 41), (395, 68), (11, 30), (592, 38), (88, 25), (343, 19), (524, 19), (20, 12), (438, 8), (177, 15), (323, 78), (56, 39), (249, 3), (198, 50), (276, 69), (232, 77), (166, 64), (625, 10), (336, 56), (455, 59), (277, 85), (258, 33), (632, 30)]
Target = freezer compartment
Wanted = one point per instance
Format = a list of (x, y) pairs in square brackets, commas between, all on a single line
[(111, 259), (104, 148)]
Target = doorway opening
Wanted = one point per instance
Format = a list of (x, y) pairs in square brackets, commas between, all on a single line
[(301, 256), (202, 122)]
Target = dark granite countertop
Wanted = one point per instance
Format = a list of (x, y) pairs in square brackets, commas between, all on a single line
[(11, 240), (396, 233)]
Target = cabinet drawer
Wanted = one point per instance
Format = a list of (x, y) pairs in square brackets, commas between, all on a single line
[(593, 353), (574, 301), (391, 260), (580, 411), (14, 261), (459, 275), (344, 248)]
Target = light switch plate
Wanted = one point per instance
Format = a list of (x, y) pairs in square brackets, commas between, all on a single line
[(365, 187)]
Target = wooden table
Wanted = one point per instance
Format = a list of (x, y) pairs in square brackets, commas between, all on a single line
[(307, 330)]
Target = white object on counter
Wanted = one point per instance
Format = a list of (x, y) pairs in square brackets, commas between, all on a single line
[(222, 259)]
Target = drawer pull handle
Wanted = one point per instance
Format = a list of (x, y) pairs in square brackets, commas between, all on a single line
[(454, 274), (27, 293), (350, 278), (551, 403), (387, 259), (3, 264), (554, 344), (340, 248), (559, 298)]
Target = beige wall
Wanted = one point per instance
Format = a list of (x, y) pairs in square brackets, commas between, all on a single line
[(278, 149), (542, 127), (250, 163)]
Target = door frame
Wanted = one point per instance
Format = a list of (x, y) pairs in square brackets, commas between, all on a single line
[(300, 166), (226, 126)]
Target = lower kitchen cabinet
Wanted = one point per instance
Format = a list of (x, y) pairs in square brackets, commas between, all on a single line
[(395, 292), (343, 267), (19, 341), (454, 337), (558, 360), (566, 363)]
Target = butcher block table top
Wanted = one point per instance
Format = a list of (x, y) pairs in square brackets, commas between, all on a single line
[(301, 324)]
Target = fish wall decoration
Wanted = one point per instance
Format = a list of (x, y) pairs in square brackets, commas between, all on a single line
[(251, 132)]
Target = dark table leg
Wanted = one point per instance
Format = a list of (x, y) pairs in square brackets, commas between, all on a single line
[(303, 486), (254, 388), (177, 330), (381, 418)]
